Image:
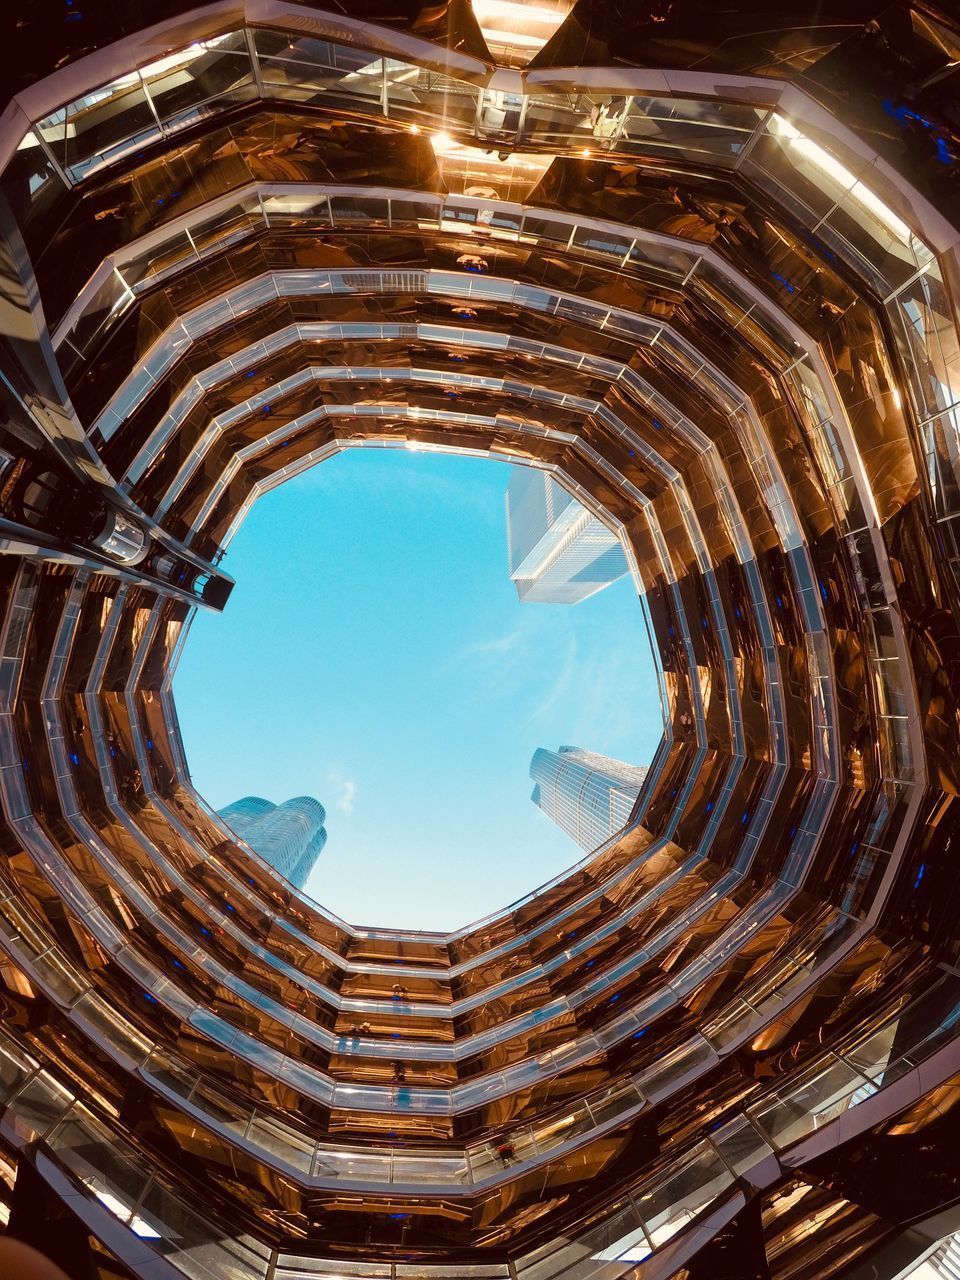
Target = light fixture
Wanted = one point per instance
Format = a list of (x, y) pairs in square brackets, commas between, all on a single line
[(518, 29)]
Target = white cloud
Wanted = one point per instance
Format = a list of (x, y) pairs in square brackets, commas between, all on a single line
[(345, 793), (498, 645), (345, 790)]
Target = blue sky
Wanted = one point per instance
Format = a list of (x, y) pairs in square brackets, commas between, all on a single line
[(374, 654)]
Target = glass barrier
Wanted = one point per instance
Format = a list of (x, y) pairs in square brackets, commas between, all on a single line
[(839, 198), (896, 736), (39, 1108)]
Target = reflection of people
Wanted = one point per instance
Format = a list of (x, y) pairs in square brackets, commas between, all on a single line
[(399, 992), (399, 1073), (500, 112), (511, 120), (706, 222), (506, 1151), (606, 116), (494, 112), (473, 262)]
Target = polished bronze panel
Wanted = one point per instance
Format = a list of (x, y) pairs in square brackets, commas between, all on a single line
[(710, 279)]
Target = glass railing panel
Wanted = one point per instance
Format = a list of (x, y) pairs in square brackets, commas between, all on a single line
[(556, 119), (668, 127), (39, 1105), (563, 1129), (680, 1195), (732, 1022), (226, 1112), (692, 124), (740, 1145), (15, 1066), (371, 1098), (249, 297), (779, 982), (298, 68), (31, 181), (138, 967), (101, 127), (100, 306), (821, 1094), (925, 329), (227, 225), (60, 979), (771, 165), (193, 1243), (22, 927), (575, 1051), (175, 998), (872, 237), (371, 211), (830, 932), (604, 1251), (424, 96), (940, 438), (429, 1169), (210, 76), (87, 1148), (409, 209), (864, 879), (872, 1057), (663, 1077), (360, 1165), (600, 240), (292, 208), (490, 1161), (170, 1073), (918, 1030), (465, 1271), (289, 1267), (613, 1102), (714, 282)]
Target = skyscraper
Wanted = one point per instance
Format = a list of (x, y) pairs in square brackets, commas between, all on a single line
[(714, 291), (289, 836), (559, 552), (587, 795)]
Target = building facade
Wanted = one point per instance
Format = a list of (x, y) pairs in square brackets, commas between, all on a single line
[(589, 796), (719, 304), (289, 836), (559, 553)]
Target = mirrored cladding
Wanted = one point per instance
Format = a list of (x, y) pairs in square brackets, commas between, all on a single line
[(698, 269)]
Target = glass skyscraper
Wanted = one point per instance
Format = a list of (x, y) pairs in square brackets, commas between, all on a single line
[(290, 836), (587, 795), (559, 552)]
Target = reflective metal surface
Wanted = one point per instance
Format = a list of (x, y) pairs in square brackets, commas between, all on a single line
[(700, 266)]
